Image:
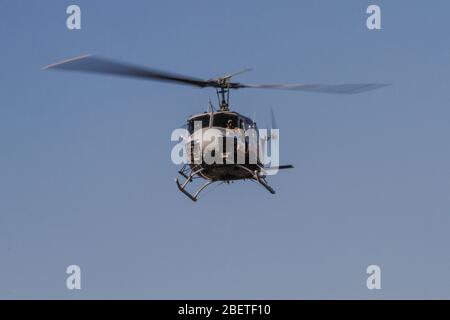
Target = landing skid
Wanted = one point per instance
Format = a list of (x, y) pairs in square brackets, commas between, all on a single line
[(190, 175), (260, 179), (263, 182)]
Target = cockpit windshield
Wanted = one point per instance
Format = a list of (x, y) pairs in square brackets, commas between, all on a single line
[(204, 119), (225, 120)]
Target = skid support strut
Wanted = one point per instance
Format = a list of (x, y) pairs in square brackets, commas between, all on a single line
[(189, 179)]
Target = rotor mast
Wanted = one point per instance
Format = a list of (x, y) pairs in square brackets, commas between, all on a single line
[(223, 86), (223, 94)]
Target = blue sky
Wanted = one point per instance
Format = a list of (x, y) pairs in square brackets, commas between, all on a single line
[(86, 176)]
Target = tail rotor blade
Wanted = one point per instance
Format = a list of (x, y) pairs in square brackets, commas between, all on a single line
[(273, 125), (273, 119)]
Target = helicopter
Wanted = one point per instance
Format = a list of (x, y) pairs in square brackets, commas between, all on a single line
[(230, 127)]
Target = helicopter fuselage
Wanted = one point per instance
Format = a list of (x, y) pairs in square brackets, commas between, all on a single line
[(222, 146)]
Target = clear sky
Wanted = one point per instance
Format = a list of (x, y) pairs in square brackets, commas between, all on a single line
[(86, 176)]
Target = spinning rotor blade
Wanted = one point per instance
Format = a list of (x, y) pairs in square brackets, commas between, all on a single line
[(92, 64), (236, 73), (324, 88)]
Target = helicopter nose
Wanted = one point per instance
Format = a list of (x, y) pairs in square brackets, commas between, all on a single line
[(211, 147), (221, 147)]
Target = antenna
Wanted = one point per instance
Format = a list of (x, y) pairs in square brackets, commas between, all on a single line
[(210, 106)]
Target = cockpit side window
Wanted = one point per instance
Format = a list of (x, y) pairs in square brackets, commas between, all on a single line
[(249, 124)]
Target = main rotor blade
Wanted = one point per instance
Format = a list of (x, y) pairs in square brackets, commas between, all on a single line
[(324, 88), (93, 64), (229, 76)]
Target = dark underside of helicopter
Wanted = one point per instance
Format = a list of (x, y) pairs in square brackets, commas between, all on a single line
[(226, 172), (210, 173)]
